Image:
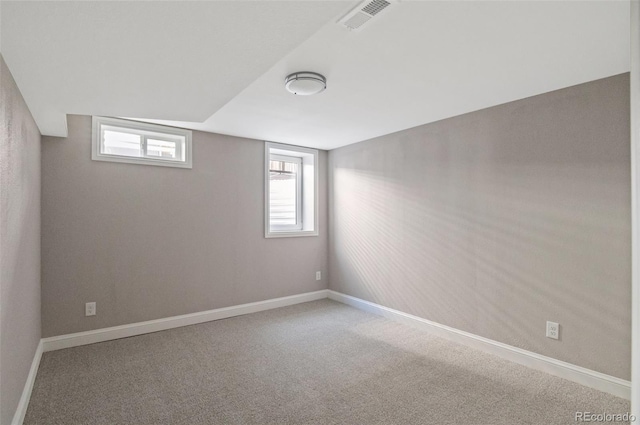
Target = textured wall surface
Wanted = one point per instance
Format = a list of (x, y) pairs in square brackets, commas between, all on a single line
[(148, 242), (19, 243), (496, 221)]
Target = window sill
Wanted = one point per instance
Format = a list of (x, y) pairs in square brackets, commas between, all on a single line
[(140, 161), (295, 234)]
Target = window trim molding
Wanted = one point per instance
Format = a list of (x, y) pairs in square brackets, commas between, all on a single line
[(136, 126), (293, 149)]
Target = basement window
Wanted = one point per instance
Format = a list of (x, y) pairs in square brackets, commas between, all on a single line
[(291, 191), (118, 140)]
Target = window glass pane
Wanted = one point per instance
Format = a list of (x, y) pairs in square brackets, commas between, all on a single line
[(161, 149), (119, 143), (283, 192)]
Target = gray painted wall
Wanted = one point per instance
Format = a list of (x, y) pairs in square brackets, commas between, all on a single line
[(496, 221), (148, 242), (19, 243)]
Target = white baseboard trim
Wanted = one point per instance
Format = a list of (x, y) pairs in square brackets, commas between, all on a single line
[(600, 381), (133, 329), (590, 378), (21, 410)]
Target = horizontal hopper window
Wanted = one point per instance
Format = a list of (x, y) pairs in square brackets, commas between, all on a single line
[(140, 143)]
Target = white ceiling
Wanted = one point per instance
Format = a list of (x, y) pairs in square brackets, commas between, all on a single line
[(223, 70), (162, 59)]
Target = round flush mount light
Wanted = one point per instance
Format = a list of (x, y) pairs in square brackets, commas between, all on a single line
[(305, 83)]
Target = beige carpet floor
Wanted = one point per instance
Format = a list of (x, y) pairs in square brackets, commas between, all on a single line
[(314, 363)]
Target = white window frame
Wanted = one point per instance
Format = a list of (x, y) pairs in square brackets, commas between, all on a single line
[(146, 131), (307, 200)]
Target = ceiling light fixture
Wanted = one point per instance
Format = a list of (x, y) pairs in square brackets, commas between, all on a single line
[(305, 83)]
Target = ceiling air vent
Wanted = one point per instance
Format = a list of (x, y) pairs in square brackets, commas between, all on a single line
[(363, 13)]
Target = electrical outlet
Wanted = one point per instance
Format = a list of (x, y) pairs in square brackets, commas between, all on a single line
[(553, 330), (90, 309), (318, 275)]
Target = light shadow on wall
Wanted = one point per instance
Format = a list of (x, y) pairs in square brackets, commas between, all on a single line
[(495, 251)]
